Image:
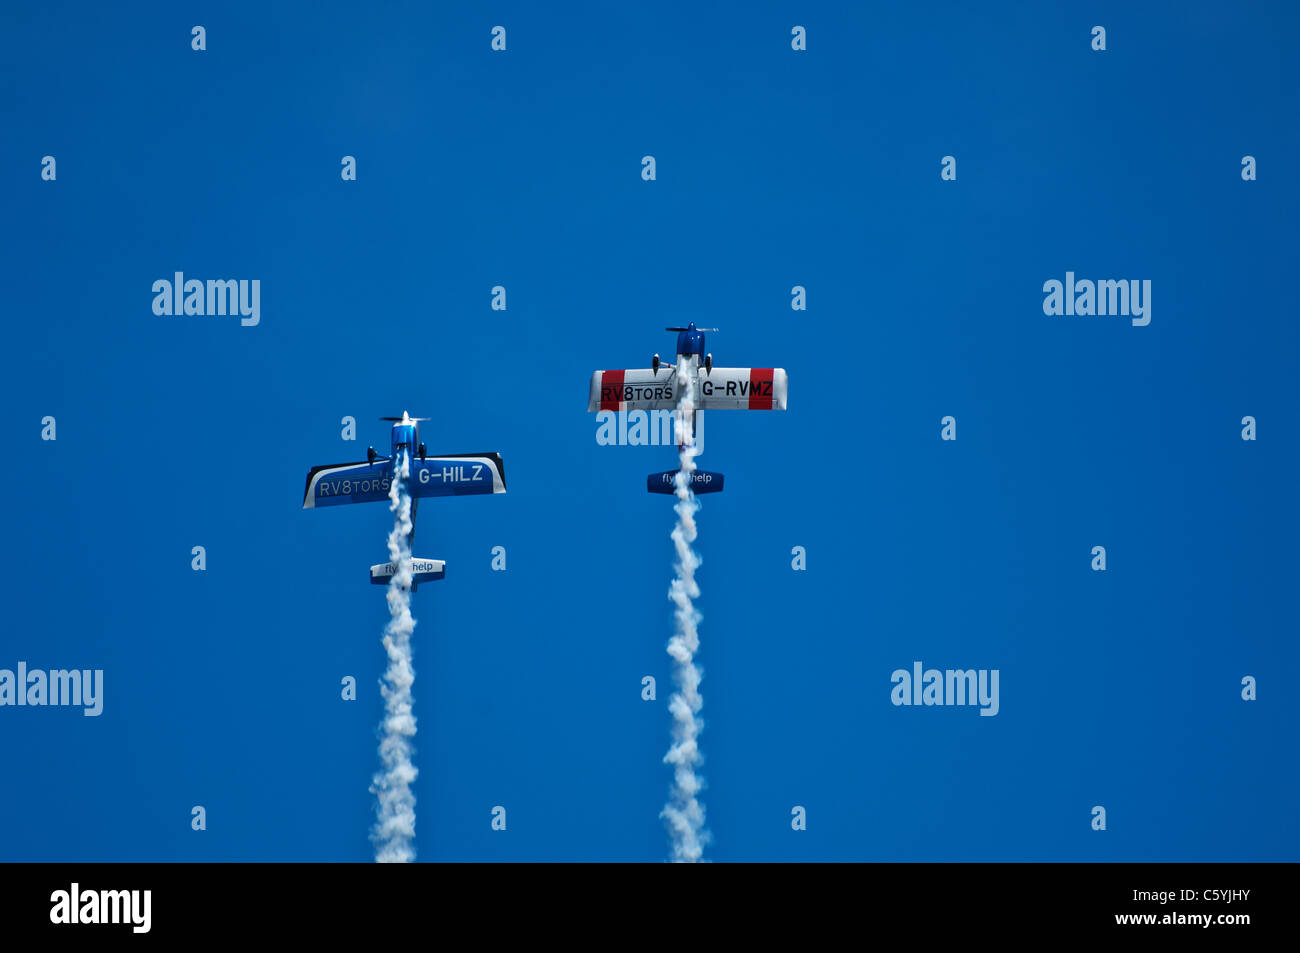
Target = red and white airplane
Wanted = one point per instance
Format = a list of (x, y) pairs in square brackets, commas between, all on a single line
[(660, 387)]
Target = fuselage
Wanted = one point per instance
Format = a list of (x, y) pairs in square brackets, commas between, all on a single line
[(406, 437), (406, 440)]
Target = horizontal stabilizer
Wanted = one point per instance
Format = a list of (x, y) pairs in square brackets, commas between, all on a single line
[(422, 570), (702, 481)]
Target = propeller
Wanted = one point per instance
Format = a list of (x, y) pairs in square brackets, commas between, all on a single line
[(688, 329), (408, 418)]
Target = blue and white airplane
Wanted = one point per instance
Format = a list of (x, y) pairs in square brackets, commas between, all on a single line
[(370, 480), (660, 387)]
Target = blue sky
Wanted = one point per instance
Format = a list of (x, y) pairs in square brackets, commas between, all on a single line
[(774, 168)]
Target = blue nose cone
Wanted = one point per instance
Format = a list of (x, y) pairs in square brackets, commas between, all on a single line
[(690, 341)]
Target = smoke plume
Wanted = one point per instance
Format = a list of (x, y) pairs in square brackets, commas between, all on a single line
[(684, 814), (394, 831)]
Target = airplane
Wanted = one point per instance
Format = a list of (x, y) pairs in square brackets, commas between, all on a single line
[(718, 388), (369, 481)]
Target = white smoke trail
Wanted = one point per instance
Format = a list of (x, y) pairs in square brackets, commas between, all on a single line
[(394, 831), (684, 814)]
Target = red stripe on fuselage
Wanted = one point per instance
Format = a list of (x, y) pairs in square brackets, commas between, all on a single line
[(611, 389), (760, 388)]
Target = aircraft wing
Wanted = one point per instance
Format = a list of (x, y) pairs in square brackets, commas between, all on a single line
[(743, 388), (339, 483), (643, 389), (723, 388), (458, 474)]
